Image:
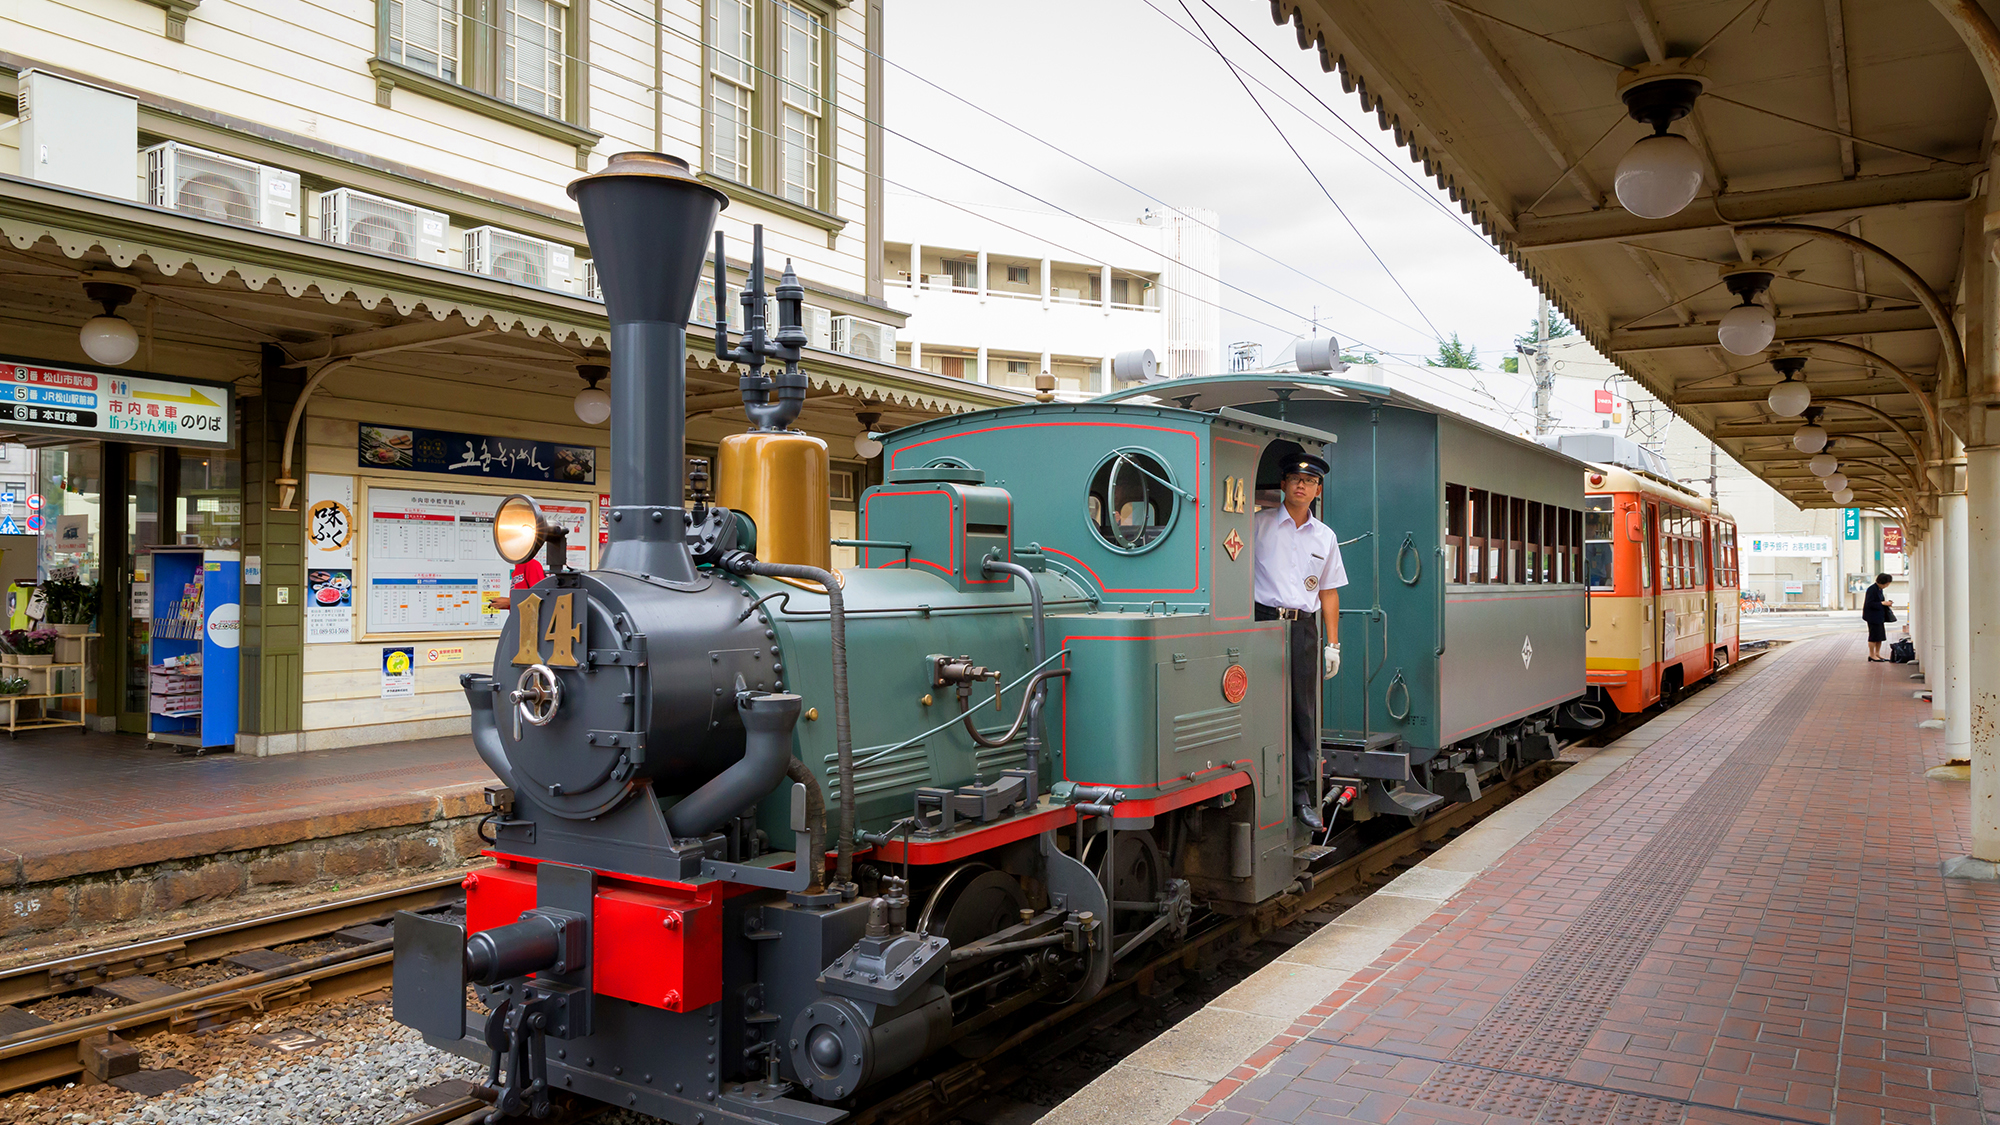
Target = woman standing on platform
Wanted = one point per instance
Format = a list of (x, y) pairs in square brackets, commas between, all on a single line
[(1876, 612)]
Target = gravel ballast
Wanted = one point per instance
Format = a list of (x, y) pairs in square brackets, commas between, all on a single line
[(363, 1075)]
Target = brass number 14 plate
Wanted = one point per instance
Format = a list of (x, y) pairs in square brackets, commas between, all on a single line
[(564, 633)]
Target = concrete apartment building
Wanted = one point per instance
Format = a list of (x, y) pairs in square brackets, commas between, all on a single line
[(998, 295), (331, 223)]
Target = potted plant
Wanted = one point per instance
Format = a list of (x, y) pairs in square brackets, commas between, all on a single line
[(72, 604), (31, 648), (10, 688)]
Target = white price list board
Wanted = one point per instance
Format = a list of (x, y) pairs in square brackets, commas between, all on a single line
[(429, 556)]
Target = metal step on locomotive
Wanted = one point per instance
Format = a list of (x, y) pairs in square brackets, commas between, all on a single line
[(1039, 713)]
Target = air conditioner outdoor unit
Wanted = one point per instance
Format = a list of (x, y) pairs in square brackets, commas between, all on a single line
[(517, 258), (1070, 295), (222, 188), (865, 338), (369, 222), (938, 281), (819, 327), (587, 284)]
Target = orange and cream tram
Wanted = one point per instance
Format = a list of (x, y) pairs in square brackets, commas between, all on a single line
[(1662, 566)]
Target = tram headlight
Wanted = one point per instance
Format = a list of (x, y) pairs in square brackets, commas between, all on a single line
[(520, 529)]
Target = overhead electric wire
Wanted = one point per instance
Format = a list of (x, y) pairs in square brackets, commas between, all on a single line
[(1415, 186), (914, 190), (835, 104), (1307, 165), (1422, 190)]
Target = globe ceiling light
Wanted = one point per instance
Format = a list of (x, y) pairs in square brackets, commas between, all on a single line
[(1844, 497), (1746, 329), (1823, 464), (866, 446), (1749, 327), (1661, 174), (1834, 482), (109, 339), (592, 403), (1658, 177), (1809, 438), (1791, 398)]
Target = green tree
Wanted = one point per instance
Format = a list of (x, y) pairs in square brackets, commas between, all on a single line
[(1362, 358), (1558, 328), (1455, 353)]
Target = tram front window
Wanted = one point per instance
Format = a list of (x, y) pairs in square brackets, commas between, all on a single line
[(1597, 525)]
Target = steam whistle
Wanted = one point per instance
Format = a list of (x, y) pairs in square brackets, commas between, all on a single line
[(758, 344)]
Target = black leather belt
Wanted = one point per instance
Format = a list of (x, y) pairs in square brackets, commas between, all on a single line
[(1285, 614)]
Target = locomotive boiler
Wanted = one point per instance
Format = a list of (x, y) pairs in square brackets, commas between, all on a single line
[(766, 834)]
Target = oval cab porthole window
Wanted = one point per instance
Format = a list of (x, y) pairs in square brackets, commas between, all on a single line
[(1132, 501)]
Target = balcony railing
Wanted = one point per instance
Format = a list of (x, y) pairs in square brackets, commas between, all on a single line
[(1081, 302)]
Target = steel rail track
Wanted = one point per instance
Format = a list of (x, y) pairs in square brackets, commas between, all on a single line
[(26, 984), (46, 1054)]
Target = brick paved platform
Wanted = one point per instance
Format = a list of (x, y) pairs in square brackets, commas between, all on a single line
[(1734, 917), (75, 806)]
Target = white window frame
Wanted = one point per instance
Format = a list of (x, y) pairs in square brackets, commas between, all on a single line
[(544, 94), (450, 32), (802, 109), (732, 81)]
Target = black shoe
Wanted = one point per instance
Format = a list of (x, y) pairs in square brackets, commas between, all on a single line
[(1309, 810)]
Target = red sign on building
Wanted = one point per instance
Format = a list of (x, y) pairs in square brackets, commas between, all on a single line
[(1604, 405), (1892, 540)]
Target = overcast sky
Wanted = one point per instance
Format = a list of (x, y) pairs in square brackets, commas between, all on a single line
[(1118, 84)]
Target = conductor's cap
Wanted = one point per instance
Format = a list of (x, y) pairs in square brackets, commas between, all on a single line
[(1302, 462)]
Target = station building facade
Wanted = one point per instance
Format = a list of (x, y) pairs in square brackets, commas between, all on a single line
[(359, 308)]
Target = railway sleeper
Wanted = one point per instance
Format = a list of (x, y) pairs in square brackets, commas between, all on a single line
[(228, 1009)]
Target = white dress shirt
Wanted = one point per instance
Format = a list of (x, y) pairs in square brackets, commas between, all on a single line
[(1294, 563)]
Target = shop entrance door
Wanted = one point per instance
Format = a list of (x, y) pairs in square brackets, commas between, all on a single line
[(145, 487)]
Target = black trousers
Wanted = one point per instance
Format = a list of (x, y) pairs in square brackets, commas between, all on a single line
[(1304, 636)]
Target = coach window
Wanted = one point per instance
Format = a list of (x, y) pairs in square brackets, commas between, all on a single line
[(1496, 540), (1454, 532), (1517, 540), (1558, 535), (1533, 537), (1664, 526), (1552, 517), (1598, 521), (1475, 545)]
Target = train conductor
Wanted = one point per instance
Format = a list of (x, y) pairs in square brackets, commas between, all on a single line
[(1298, 578)]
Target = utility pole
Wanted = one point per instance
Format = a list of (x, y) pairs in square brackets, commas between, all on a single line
[(1545, 380), (1711, 473)]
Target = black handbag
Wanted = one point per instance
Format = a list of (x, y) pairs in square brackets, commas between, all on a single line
[(1888, 616)]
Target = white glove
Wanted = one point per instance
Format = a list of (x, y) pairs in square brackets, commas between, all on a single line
[(1332, 660)]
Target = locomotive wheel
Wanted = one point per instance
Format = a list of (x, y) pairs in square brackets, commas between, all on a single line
[(973, 902), (1137, 872)]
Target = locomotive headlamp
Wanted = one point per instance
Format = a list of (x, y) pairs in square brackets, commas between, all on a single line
[(520, 529)]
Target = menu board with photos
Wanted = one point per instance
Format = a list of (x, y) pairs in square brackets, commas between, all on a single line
[(432, 567)]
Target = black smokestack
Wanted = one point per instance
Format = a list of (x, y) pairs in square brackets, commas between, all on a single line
[(648, 220)]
